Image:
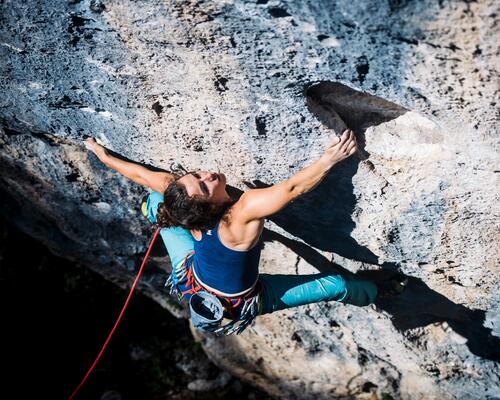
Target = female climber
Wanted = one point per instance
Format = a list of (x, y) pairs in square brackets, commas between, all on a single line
[(214, 240)]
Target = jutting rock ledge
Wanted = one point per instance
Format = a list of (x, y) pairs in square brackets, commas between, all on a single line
[(255, 89)]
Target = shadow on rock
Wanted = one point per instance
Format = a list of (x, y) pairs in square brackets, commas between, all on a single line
[(326, 212), (418, 306)]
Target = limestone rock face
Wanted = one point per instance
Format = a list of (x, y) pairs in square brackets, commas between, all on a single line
[(255, 89)]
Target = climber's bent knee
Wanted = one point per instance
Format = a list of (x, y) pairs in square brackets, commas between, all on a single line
[(178, 241), (152, 203)]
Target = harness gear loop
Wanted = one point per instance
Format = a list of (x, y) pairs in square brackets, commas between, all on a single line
[(182, 281)]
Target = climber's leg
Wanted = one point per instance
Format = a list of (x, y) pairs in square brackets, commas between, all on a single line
[(286, 291), (178, 241), (360, 292)]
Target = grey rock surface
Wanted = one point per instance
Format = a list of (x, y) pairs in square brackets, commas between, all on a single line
[(255, 89)]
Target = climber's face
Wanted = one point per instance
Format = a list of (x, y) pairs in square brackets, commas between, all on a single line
[(208, 185)]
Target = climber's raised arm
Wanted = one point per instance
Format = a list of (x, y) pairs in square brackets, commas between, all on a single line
[(259, 203), (156, 180)]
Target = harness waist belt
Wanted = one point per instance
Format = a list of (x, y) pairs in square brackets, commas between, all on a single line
[(218, 292)]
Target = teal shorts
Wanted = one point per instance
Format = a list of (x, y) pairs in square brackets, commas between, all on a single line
[(279, 291), (287, 291)]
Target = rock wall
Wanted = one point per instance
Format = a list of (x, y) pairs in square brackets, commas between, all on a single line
[(255, 89)]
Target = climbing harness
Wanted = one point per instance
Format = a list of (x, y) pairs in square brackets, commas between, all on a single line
[(209, 309), (119, 317)]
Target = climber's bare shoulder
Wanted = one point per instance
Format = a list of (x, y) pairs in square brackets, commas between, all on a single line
[(245, 221), (236, 232)]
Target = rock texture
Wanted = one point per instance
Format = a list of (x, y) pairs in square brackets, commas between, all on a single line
[(255, 89)]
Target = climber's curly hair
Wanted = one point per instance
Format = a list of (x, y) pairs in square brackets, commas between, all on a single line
[(188, 212)]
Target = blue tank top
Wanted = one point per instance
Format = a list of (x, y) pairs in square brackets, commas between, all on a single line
[(218, 267)]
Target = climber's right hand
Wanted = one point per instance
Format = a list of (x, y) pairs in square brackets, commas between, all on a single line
[(339, 149), (91, 144)]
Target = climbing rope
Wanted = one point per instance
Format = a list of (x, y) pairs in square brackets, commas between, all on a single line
[(119, 317)]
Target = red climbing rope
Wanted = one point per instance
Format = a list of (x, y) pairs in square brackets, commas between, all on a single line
[(118, 319)]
